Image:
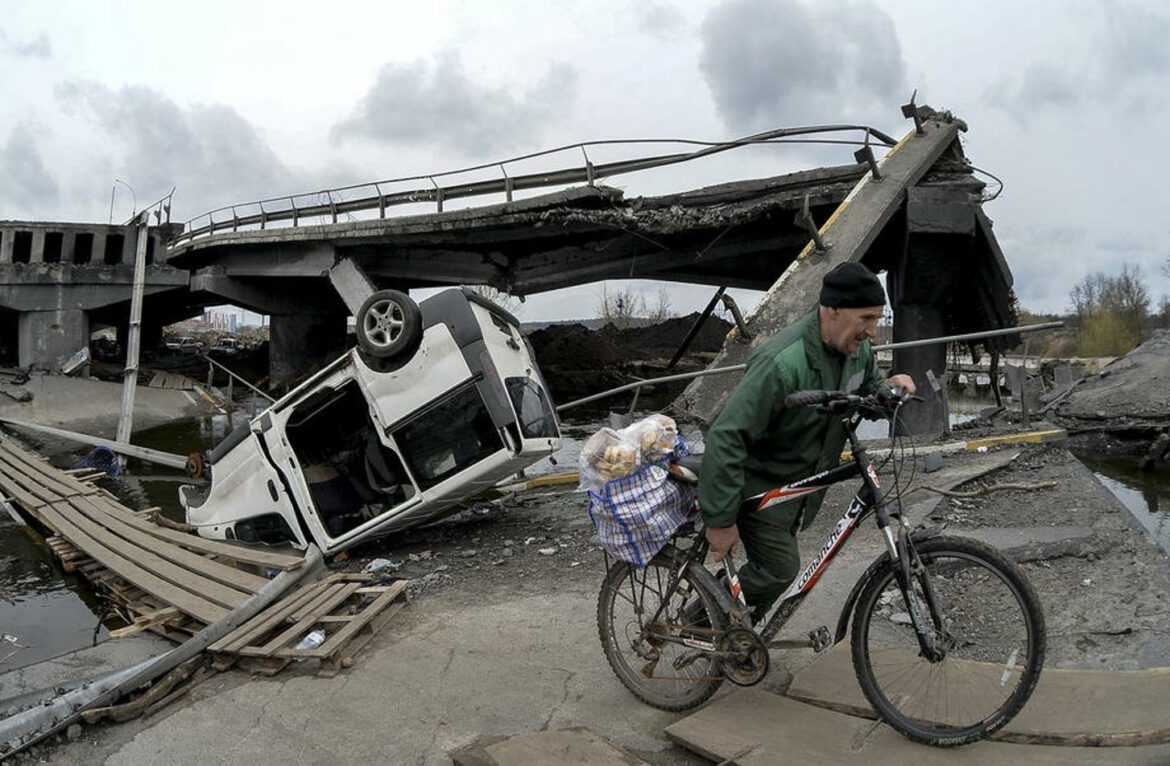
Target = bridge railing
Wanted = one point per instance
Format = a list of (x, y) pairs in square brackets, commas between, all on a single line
[(327, 205)]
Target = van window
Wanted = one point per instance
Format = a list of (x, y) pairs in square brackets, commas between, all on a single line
[(448, 436), (536, 417)]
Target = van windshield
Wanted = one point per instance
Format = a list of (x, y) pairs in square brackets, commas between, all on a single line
[(532, 408)]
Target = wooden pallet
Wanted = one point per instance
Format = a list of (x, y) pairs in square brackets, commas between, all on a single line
[(343, 606)]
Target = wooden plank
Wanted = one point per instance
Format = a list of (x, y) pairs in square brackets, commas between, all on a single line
[(282, 561), (270, 617), (186, 601), (332, 664), (147, 559), (27, 493), (146, 621), (336, 594), (222, 573), (42, 469), (314, 607), (337, 640), (750, 727), (1067, 708)]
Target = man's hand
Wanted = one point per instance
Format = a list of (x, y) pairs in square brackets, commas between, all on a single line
[(723, 540), (902, 380)]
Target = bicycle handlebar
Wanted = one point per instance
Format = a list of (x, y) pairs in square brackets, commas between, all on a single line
[(810, 398), (885, 399)]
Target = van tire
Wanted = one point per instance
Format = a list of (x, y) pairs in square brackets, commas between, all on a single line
[(389, 325)]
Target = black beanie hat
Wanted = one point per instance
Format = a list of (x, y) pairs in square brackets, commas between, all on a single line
[(851, 286)]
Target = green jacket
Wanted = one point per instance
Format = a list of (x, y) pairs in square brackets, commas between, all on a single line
[(757, 443)]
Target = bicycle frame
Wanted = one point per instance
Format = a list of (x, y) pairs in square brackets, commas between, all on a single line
[(867, 500)]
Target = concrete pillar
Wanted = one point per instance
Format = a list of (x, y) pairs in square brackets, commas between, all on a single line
[(38, 247), (911, 322), (299, 344), (99, 248), (130, 246), (7, 237), (68, 245), (46, 339)]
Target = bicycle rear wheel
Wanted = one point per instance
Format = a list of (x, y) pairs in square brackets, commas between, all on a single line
[(989, 628), (659, 658)]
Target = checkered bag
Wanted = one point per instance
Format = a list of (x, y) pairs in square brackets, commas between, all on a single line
[(637, 514)]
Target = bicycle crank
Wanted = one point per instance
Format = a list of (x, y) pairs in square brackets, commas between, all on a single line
[(745, 657)]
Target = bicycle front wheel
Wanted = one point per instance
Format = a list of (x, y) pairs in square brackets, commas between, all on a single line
[(986, 637), (656, 641)]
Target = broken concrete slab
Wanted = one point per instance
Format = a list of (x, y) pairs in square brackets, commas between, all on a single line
[(556, 748), (755, 728), (848, 234), (1068, 707), (1022, 544)]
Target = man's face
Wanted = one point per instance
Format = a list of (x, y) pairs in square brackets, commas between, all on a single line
[(844, 329)]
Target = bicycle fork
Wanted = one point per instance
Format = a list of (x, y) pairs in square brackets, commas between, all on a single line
[(908, 570)]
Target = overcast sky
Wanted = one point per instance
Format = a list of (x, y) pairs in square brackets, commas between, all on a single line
[(231, 101)]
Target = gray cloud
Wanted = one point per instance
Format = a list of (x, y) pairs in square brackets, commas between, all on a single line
[(27, 183), (1136, 43), (439, 103), (39, 47), (781, 62), (209, 152), (660, 19), (1128, 66)]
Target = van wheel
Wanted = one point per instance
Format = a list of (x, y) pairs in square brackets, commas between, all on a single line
[(388, 325)]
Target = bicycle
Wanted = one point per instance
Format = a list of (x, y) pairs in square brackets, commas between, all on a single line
[(947, 637)]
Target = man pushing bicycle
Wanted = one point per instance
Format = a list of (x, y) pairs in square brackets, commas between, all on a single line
[(757, 443)]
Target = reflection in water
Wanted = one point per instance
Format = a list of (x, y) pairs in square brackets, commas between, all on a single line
[(1145, 494), (43, 611)]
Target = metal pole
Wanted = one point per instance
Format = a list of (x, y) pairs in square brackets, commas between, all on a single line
[(231, 374), (134, 336), (740, 367), (968, 336), (682, 349)]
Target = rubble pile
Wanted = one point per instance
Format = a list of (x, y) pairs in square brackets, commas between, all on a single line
[(1132, 391)]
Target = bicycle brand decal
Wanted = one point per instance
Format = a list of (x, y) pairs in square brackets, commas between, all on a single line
[(783, 495), (841, 530), (873, 475)]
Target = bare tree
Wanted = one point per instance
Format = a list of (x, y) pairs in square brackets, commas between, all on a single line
[(660, 310), (1112, 310), (504, 300), (620, 307)]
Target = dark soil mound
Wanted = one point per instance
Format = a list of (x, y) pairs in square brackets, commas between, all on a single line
[(577, 362)]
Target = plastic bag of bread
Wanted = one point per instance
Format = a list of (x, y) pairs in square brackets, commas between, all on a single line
[(656, 436), (607, 455), (610, 454)]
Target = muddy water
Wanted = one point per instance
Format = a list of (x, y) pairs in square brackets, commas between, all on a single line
[(1146, 495)]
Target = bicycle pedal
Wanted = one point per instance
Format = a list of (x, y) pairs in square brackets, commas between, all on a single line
[(820, 639)]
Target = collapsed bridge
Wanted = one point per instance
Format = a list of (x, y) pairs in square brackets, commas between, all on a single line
[(914, 212)]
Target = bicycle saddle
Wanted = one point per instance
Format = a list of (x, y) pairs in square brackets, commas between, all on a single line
[(686, 469)]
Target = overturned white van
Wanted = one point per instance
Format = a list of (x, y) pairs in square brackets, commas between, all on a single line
[(440, 401)]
